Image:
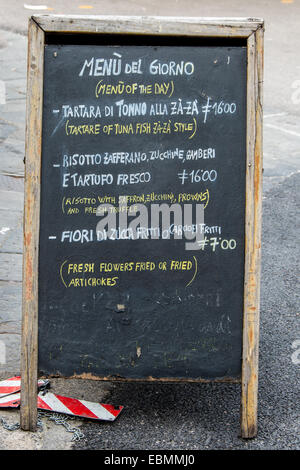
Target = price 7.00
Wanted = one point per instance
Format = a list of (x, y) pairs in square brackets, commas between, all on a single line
[(214, 242), (195, 176)]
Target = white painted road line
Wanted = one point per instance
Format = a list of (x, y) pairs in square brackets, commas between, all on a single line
[(2, 92), (266, 116), (4, 230), (287, 131), (35, 7)]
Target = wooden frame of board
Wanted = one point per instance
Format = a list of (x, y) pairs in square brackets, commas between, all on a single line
[(249, 29)]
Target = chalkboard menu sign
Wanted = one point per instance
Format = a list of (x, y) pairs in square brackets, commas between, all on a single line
[(142, 201)]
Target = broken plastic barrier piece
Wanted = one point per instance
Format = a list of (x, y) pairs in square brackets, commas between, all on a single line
[(70, 406), (13, 385), (11, 401)]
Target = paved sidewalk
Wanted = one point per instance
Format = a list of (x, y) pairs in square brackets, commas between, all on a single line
[(13, 50)]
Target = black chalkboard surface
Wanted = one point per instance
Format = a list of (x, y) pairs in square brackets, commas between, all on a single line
[(152, 124)]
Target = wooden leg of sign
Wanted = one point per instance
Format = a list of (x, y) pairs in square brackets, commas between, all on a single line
[(253, 236), (28, 417), (249, 387), (29, 361)]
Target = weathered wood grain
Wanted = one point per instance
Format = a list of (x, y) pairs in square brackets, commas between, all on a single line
[(29, 350), (175, 26), (253, 236)]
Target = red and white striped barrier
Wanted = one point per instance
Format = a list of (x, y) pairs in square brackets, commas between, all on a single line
[(13, 385), (11, 401), (70, 406)]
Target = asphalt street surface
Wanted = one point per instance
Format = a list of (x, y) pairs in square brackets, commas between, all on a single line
[(174, 416)]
